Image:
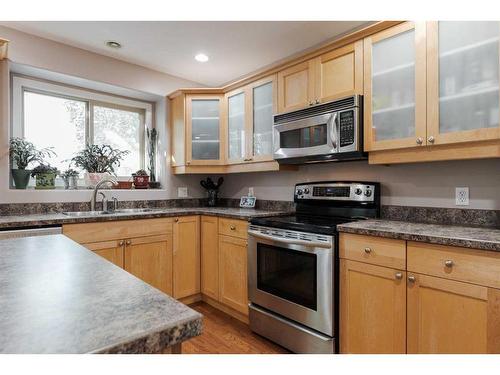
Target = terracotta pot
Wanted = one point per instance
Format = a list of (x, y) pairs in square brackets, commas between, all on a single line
[(123, 185)]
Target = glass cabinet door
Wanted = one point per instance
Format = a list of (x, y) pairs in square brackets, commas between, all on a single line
[(395, 89), (236, 126), (203, 131), (463, 77), (263, 111)]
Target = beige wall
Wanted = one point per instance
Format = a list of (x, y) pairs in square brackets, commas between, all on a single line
[(423, 184), (45, 54)]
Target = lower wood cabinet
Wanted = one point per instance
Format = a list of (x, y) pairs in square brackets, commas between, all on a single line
[(186, 273), (447, 316), (233, 273), (109, 250), (373, 308), (150, 259), (210, 256)]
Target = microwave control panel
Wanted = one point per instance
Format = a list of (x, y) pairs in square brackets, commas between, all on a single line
[(347, 132)]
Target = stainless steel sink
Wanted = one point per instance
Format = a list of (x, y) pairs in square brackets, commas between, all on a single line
[(100, 213)]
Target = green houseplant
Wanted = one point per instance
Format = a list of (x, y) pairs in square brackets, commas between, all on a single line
[(22, 154), (45, 176), (141, 179), (70, 177), (98, 161)]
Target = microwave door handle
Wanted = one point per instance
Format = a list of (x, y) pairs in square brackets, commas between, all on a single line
[(332, 124), (289, 241)]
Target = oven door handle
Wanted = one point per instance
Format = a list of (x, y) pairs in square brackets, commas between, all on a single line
[(332, 125), (290, 241)]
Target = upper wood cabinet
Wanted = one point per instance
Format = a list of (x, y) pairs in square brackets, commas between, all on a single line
[(395, 87), (462, 81), (3, 48), (330, 76), (186, 250)]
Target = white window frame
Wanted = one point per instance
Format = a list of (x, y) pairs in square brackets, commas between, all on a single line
[(21, 84)]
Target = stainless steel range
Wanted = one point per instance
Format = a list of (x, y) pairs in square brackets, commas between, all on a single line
[(293, 264)]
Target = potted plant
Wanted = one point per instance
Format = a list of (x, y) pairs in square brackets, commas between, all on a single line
[(45, 176), (70, 177), (152, 135), (98, 161), (141, 179), (22, 154)]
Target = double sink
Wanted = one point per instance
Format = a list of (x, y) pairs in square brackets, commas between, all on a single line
[(100, 213)]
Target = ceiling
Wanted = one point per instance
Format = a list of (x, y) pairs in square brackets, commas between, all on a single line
[(234, 48)]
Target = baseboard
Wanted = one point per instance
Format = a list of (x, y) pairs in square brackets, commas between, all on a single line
[(190, 299), (225, 309)]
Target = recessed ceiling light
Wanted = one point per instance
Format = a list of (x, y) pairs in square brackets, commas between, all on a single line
[(201, 57), (113, 44)]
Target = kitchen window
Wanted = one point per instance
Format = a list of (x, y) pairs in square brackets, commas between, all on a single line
[(67, 118)]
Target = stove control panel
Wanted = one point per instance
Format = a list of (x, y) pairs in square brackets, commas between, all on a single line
[(356, 192)]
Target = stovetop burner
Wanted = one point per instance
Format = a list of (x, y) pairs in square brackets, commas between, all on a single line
[(303, 223)]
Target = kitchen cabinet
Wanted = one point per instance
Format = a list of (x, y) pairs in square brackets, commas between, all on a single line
[(233, 273), (250, 113), (150, 259), (205, 135), (3, 48), (330, 76), (446, 316), (463, 81), (210, 256), (373, 309), (109, 250), (395, 87), (186, 256)]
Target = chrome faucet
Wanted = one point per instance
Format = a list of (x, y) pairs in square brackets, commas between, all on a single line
[(105, 180)]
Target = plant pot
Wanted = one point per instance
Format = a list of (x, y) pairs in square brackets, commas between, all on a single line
[(45, 181), (21, 177), (92, 179), (123, 185), (71, 183), (154, 184), (141, 182)]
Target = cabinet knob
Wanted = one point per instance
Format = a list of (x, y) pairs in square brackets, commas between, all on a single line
[(448, 263), (311, 103), (368, 250), (420, 141), (411, 279), (317, 101), (121, 243), (176, 219), (430, 139), (128, 242), (398, 276), (232, 227)]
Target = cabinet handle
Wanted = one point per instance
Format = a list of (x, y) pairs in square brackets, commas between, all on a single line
[(232, 227), (121, 243), (420, 141), (411, 279), (448, 263), (128, 242), (368, 250), (311, 103), (248, 159), (317, 101), (176, 219), (398, 276), (430, 139)]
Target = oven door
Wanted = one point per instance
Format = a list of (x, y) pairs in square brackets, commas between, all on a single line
[(317, 135), (293, 278)]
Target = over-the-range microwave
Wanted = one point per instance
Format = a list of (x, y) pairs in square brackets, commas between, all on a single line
[(328, 132)]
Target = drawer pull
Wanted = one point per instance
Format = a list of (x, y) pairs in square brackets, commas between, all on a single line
[(232, 227), (448, 263), (411, 279), (368, 250), (398, 276)]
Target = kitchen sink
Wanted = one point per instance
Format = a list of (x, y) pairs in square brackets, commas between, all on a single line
[(100, 213)]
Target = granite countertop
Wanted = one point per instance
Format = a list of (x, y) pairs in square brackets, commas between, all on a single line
[(471, 237), (19, 221), (58, 297)]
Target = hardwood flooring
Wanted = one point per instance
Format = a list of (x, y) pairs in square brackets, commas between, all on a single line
[(223, 334)]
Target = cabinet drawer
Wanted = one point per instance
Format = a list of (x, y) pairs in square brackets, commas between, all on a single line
[(233, 227), (374, 250), (457, 263), (117, 230)]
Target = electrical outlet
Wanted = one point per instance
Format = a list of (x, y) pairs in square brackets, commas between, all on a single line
[(182, 192), (250, 191), (462, 196)]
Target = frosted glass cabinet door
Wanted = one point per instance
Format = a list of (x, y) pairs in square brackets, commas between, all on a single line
[(395, 87), (263, 111), (236, 126), (463, 69), (203, 131)]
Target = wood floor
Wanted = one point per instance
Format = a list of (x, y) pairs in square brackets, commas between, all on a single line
[(223, 334)]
